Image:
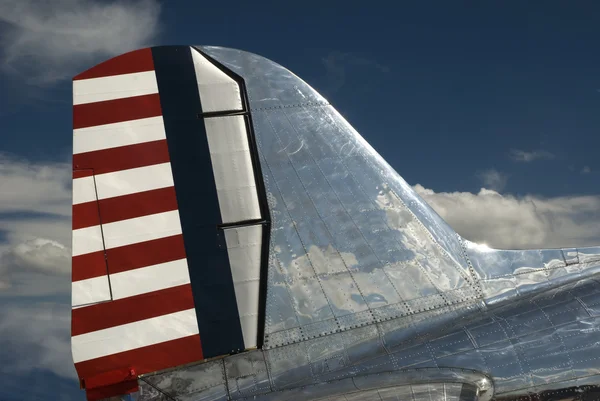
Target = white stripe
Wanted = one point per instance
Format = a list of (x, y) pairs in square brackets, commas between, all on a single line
[(227, 134), (126, 182), (232, 168), (238, 204), (149, 279), (87, 240), (130, 283), (249, 330), (244, 250), (114, 87), (217, 91), (246, 295), (126, 232), (93, 290), (134, 335), (125, 133), (84, 190), (141, 229)]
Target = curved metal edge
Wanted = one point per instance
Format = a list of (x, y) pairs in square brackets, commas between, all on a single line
[(298, 93), (483, 383)]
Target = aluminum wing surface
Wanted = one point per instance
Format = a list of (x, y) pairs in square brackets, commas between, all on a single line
[(234, 237)]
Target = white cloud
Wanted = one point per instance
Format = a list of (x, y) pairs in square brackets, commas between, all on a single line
[(38, 337), (40, 254), (34, 187), (493, 179), (527, 157), (35, 265), (45, 42), (27, 228), (35, 268), (506, 221), (35, 211), (586, 170)]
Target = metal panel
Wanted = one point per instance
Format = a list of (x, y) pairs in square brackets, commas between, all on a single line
[(218, 92), (353, 253), (232, 168), (201, 381), (247, 375), (244, 246)]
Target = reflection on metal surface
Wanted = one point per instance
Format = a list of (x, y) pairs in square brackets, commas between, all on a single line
[(582, 393), (418, 384), (353, 247), (371, 295), (351, 242)]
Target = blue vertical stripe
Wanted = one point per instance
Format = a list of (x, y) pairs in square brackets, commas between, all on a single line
[(208, 262)]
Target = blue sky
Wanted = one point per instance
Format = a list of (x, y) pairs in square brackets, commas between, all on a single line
[(431, 84), (457, 96)]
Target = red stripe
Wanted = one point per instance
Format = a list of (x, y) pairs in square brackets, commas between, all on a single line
[(128, 257), (83, 173), (125, 207), (147, 253), (115, 111), (113, 376), (128, 63), (124, 157), (85, 215), (131, 309), (146, 359), (137, 205), (89, 265)]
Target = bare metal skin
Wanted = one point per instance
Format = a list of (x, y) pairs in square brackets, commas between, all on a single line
[(372, 296)]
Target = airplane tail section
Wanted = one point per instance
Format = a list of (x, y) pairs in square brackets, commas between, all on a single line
[(168, 218), (221, 205)]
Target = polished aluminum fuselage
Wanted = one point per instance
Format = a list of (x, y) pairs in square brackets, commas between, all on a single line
[(372, 295)]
